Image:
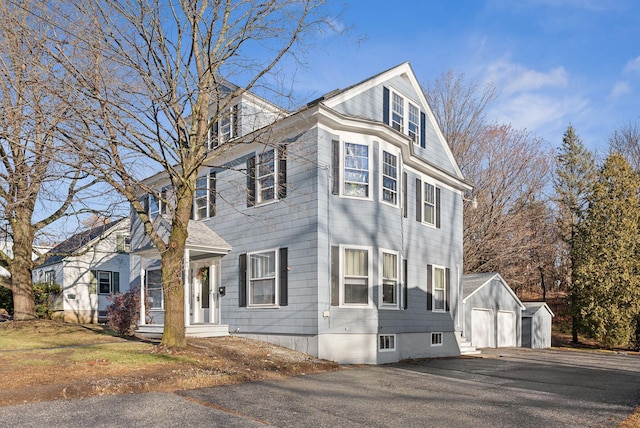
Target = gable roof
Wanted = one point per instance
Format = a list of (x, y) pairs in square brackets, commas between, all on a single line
[(79, 241), (200, 238), (336, 97), (531, 308), (471, 283)]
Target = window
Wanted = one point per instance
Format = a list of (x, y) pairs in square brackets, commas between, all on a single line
[(154, 206), (389, 273), (106, 282), (413, 127), (123, 243), (397, 112), (404, 116), (429, 200), (389, 178), (50, 277), (356, 170), (204, 198), (356, 279), (387, 342), (266, 177), (154, 288), (439, 291), (436, 339), (262, 278), (224, 129)]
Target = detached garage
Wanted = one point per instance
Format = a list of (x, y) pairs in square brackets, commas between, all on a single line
[(492, 311), (536, 325)]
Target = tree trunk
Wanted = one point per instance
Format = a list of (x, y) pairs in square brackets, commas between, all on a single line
[(172, 266), (24, 307)]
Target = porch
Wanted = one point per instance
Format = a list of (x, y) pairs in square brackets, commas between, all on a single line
[(201, 280), (154, 331)]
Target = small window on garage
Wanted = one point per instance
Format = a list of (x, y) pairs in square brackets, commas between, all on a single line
[(436, 339), (387, 342)]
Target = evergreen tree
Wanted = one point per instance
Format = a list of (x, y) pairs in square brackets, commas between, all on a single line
[(574, 175), (607, 270)]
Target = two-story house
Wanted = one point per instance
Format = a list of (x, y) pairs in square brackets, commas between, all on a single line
[(335, 230)]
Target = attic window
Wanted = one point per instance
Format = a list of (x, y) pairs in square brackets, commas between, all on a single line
[(404, 116)]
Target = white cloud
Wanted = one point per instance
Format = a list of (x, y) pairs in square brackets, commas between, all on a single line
[(620, 89), (633, 65), (512, 78)]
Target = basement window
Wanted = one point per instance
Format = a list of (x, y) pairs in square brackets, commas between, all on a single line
[(387, 342)]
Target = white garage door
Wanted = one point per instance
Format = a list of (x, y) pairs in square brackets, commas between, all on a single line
[(506, 329), (481, 328)]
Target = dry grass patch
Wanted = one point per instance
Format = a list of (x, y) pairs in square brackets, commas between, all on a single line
[(46, 360)]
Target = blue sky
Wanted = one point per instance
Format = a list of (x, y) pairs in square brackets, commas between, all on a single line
[(553, 62)]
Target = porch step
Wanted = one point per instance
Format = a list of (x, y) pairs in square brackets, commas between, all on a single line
[(154, 331), (466, 348)]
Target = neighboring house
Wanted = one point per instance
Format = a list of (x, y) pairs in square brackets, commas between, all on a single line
[(7, 248), (536, 325), (89, 267), (341, 238), (492, 311)]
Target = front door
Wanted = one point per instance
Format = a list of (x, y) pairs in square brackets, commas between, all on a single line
[(202, 293)]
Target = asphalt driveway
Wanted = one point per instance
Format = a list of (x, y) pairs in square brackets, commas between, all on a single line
[(507, 388)]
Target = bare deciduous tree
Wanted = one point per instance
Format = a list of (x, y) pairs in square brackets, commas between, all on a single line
[(460, 109), (36, 186), (626, 141), (160, 81), (509, 169)]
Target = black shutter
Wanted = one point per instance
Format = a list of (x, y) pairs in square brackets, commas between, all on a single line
[(405, 201), (405, 279), (438, 208), (212, 194), (213, 135), (234, 121), (251, 181), (145, 203), (418, 200), (429, 287), (282, 171), (335, 276), (242, 283), (335, 167), (423, 131), (284, 277), (447, 285), (115, 282), (385, 105)]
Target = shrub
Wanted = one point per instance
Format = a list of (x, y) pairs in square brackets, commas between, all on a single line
[(45, 295), (6, 300), (123, 313)]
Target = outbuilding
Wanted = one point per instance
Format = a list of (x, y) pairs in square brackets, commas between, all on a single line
[(492, 311), (536, 325)]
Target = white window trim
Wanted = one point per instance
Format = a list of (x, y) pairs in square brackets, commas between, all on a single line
[(423, 201), (432, 285), (276, 172), (277, 280), (398, 177), (369, 197), (232, 124), (207, 177), (436, 335), (98, 273), (405, 116), (381, 304), (395, 343), (146, 288), (369, 303)]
